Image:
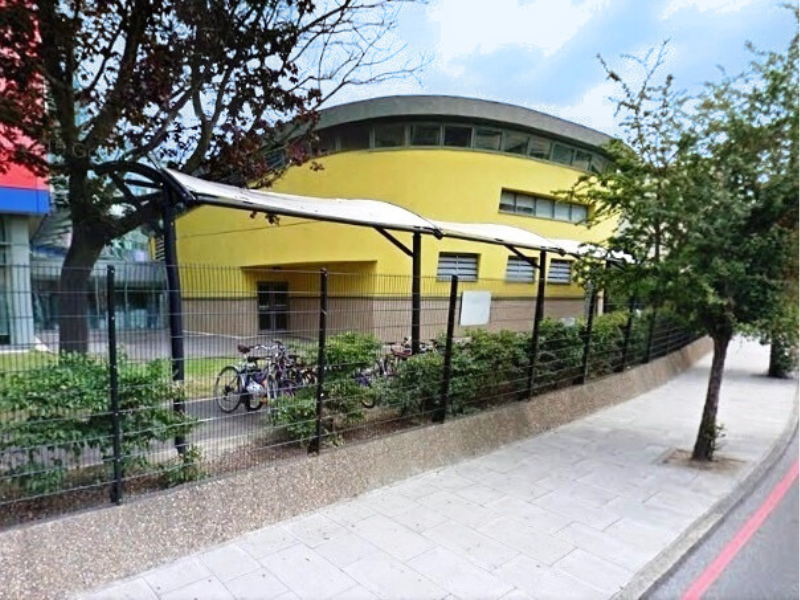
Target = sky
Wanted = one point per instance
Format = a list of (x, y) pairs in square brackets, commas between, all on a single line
[(542, 54)]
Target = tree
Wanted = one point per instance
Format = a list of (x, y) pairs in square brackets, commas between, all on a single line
[(706, 191), (206, 86)]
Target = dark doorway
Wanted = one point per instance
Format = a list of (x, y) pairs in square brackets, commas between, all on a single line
[(273, 306)]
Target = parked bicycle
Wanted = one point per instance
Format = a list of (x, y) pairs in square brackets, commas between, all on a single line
[(257, 381)]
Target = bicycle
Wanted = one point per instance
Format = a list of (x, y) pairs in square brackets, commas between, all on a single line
[(246, 383)]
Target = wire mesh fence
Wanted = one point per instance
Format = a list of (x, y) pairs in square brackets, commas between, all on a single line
[(105, 394)]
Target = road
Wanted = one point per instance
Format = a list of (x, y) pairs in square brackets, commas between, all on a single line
[(753, 554)]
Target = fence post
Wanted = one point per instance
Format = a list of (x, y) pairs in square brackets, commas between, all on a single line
[(587, 343), (113, 384), (416, 292), (441, 414), (650, 334), (537, 323), (626, 344), (316, 444)]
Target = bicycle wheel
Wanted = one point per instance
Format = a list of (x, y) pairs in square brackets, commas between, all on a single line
[(228, 389)]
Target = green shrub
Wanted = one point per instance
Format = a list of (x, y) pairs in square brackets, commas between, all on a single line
[(498, 362), (560, 355), (296, 415), (55, 415), (346, 355), (608, 336)]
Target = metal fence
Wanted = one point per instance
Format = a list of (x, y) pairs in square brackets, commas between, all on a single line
[(274, 364)]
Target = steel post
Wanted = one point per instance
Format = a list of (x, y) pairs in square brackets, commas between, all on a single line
[(416, 292), (113, 387), (537, 323), (441, 414), (587, 343), (316, 444)]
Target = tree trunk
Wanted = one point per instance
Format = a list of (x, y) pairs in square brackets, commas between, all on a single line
[(73, 298), (706, 441)]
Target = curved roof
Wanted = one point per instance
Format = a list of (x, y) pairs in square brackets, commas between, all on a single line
[(462, 108)]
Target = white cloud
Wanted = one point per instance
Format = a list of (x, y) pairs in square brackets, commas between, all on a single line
[(719, 6), (594, 109), (468, 26)]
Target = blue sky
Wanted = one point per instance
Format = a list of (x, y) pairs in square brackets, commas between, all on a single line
[(543, 53)]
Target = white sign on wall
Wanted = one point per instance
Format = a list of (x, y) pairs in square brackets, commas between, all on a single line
[(475, 308)]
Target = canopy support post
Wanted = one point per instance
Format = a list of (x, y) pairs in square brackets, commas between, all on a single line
[(537, 323), (175, 304)]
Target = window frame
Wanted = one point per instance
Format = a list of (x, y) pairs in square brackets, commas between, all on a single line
[(513, 258), (410, 134), (564, 261), (458, 255), (536, 199)]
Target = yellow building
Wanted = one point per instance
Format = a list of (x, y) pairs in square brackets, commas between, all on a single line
[(445, 158)]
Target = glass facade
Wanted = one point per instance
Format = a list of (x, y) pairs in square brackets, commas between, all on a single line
[(396, 134)]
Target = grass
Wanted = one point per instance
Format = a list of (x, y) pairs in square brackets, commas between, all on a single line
[(15, 362)]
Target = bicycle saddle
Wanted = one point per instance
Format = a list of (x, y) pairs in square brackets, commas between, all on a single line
[(243, 349)]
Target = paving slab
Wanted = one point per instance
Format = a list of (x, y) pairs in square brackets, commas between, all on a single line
[(572, 513)]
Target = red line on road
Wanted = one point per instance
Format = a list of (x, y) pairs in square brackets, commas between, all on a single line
[(715, 569)]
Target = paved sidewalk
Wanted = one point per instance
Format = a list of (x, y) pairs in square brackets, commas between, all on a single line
[(572, 513)]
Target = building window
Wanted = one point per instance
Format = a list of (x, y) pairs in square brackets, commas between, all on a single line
[(543, 208), (425, 135), (463, 265), (390, 136), (519, 270), (360, 136), (326, 143), (582, 160), (515, 143), (560, 271), (457, 137), (562, 154), (487, 139), (578, 213), (354, 137), (539, 148)]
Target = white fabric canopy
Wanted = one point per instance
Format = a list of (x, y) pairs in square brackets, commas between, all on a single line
[(372, 213), (498, 234), (366, 213)]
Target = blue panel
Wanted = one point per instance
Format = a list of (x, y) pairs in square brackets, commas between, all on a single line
[(17, 200)]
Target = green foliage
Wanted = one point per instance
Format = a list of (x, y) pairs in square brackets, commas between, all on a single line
[(708, 193), (783, 340), (416, 387), (348, 353), (560, 354), (496, 363), (347, 356), (296, 415), (608, 337), (56, 415), (185, 468)]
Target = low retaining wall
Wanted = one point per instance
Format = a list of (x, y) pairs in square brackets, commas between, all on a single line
[(85, 550)]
